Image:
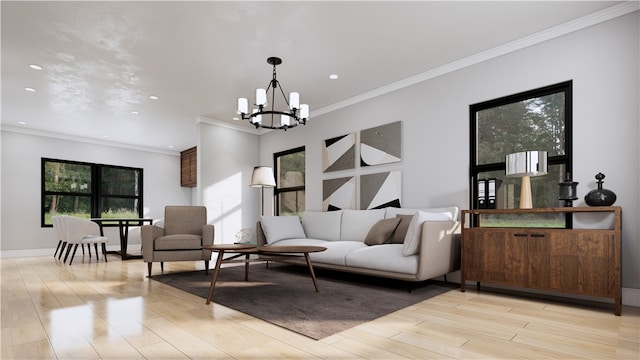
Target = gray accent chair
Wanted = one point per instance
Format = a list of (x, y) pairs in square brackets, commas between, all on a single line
[(184, 233)]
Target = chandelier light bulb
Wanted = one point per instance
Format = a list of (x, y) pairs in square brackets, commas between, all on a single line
[(285, 120), (304, 111), (243, 106), (294, 101), (261, 97)]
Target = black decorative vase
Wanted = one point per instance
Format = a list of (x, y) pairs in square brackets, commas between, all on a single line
[(600, 196)]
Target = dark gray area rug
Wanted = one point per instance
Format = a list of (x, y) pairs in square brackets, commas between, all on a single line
[(284, 295)]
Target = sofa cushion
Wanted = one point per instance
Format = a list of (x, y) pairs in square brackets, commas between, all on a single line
[(178, 242), (281, 227), (323, 225), (382, 231), (412, 239), (357, 223), (401, 230), (335, 253), (386, 257)]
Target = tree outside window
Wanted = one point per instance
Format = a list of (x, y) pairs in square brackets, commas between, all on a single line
[(535, 120), (89, 190), (290, 181)]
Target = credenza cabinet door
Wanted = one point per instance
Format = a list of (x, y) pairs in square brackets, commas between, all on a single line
[(496, 256)]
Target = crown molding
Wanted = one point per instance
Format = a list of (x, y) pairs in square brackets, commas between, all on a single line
[(519, 44), (240, 126), (60, 136)]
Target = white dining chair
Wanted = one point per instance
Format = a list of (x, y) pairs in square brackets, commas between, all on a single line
[(80, 232)]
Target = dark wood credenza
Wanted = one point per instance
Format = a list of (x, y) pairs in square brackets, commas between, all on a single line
[(576, 261)]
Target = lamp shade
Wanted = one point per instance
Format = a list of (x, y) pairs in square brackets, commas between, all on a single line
[(526, 163), (262, 177)]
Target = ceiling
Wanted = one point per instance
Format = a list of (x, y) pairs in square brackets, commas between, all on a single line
[(102, 60)]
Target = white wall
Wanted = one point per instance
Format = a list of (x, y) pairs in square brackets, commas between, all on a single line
[(226, 158), (21, 186), (601, 60)]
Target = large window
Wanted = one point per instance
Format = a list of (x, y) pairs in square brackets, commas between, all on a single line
[(89, 190), (539, 119), (290, 173)]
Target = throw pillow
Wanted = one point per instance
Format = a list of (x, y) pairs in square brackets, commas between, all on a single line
[(278, 228), (401, 230), (414, 232), (381, 231)]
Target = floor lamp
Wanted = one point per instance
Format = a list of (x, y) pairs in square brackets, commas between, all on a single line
[(526, 164), (262, 177)]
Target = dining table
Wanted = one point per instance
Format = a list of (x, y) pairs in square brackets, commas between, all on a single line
[(123, 225)]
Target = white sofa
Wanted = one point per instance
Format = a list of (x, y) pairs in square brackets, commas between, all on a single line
[(430, 248)]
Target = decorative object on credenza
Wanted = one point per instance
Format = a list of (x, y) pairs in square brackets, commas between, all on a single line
[(567, 191), (600, 196), (380, 190), (338, 194), (339, 153), (262, 177), (381, 144), (270, 117), (526, 164)]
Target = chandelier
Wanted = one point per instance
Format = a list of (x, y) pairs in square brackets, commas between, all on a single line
[(268, 117)]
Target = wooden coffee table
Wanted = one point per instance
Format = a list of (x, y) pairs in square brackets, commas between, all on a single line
[(280, 252)]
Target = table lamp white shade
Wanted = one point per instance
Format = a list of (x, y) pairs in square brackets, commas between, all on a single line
[(526, 164), (262, 177)]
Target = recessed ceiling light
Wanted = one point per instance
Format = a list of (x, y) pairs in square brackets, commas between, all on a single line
[(153, 97), (35, 67), (333, 76), (134, 112), (105, 136), (236, 118), (171, 146), (22, 122), (30, 89)]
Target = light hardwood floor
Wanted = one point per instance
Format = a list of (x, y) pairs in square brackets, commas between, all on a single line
[(112, 311)]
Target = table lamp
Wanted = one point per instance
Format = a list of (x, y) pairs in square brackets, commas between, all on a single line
[(526, 164), (262, 177)]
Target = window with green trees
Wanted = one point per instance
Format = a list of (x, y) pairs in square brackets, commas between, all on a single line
[(538, 119), (89, 190), (290, 181)]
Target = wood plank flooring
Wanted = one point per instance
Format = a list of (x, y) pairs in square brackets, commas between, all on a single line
[(112, 311)]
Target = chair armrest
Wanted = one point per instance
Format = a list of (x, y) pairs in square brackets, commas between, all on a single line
[(208, 232), (148, 234), (439, 249)]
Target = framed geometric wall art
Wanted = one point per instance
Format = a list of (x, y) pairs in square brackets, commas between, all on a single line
[(381, 144), (380, 190), (338, 194), (339, 153)]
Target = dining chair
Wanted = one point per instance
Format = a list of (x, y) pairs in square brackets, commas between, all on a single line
[(80, 232)]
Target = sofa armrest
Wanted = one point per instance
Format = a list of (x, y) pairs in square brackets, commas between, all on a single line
[(148, 233), (439, 249), (261, 240)]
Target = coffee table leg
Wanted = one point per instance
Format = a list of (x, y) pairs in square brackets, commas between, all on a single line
[(313, 274), (214, 278)]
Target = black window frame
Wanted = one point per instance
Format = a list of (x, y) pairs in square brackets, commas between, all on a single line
[(565, 159), (281, 190), (96, 194)]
